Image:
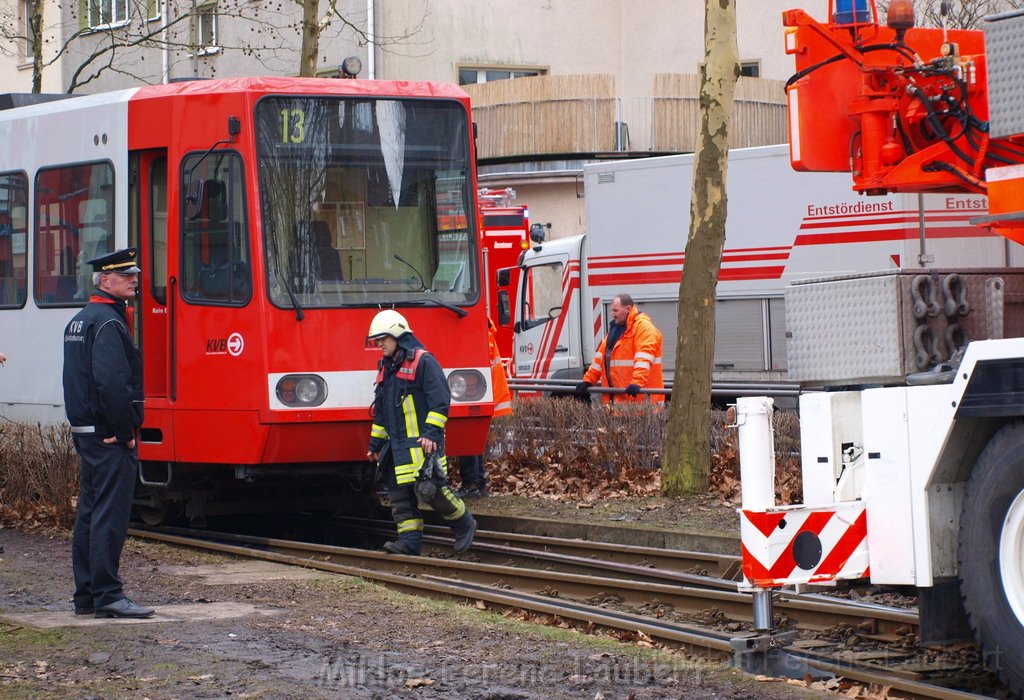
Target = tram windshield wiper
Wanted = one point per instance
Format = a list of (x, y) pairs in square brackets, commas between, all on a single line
[(428, 301), (299, 313)]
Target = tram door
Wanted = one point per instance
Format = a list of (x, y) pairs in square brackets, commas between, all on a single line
[(149, 201)]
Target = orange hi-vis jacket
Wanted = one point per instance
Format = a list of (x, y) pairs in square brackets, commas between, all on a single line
[(499, 382), (635, 359)]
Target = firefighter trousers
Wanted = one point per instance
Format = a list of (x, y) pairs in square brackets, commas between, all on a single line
[(432, 490)]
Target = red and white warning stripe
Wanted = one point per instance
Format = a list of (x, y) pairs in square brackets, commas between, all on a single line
[(788, 546)]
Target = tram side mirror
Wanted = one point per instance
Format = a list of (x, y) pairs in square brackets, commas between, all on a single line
[(504, 308), (503, 277), (194, 198)]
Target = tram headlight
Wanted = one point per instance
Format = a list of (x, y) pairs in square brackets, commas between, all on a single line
[(301, 390), (467, 385)]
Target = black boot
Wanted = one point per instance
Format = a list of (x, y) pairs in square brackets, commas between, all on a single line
[(407, 543), (464, 528)]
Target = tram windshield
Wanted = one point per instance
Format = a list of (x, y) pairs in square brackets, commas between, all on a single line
[(366, 201)]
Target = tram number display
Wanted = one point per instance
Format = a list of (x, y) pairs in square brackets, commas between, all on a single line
[(293, 125)]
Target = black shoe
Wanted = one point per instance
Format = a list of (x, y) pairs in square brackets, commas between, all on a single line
[(84, 611), (464, 534), (476, 491), (123, 608), (399, 547)]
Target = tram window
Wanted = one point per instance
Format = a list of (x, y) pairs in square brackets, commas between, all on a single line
[(13, 237), (366, 201), (216, 267), (74, 223), (158, 229)]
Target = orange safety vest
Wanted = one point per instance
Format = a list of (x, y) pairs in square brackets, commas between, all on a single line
[(499, 382), (635, 359)]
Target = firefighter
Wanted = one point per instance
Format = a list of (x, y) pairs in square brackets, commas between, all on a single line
[(410, 410), (629, 356), (103, 400), (471, 469)]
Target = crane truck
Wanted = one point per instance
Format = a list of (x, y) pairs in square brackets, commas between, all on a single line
[(912, 478)]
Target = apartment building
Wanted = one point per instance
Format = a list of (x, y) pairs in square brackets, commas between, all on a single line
[(555, 83)]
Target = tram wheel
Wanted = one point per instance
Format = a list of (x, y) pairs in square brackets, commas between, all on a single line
[(990, 554), (161, 514)]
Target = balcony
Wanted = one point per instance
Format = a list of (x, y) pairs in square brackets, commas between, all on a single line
[(573, 115)]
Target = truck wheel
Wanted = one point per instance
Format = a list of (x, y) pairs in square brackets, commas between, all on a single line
[(991, 554)]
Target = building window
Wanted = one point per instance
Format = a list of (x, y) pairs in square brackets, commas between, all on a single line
[(469, 75), (206, 29), (104, 13), (28, 8), (750, 69)]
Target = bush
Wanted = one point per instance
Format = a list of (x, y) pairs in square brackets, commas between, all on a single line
[(38, 475), (564, 448)]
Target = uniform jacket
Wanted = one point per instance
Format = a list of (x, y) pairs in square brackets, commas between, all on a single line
[(499, 381), (411, 399), (102, 370), (635, 359)]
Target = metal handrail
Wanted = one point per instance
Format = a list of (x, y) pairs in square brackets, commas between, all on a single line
[(518, 384)]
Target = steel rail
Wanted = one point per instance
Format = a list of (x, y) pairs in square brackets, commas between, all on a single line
[(717, 643), (705, 640), (719, 566), (814, 613)]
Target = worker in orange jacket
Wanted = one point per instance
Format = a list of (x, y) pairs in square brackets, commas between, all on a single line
[(471, 469), (629, 357)]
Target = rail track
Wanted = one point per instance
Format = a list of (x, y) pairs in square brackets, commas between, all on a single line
[(603, 586)]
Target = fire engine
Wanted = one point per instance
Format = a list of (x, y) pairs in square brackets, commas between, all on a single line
[(787, 227), (910, 477), (505, 231), (274, 217)]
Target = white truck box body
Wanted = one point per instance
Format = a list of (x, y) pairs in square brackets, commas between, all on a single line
[(782, 226)]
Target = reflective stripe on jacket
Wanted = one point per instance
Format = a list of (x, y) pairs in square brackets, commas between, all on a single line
[(635, 359), (411, 400)]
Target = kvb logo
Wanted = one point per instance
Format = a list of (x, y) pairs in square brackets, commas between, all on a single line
[(233, 345)]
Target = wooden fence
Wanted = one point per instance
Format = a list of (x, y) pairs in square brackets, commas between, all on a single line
[(581, 114)]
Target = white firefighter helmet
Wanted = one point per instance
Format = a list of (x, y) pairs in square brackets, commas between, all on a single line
[(388, 322)]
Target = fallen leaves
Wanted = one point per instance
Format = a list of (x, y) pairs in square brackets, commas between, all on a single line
[(567, 451)]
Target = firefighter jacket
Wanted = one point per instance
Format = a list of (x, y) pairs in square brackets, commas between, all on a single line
[(102, 371), (499, 381), (411, 399), (634, 359)]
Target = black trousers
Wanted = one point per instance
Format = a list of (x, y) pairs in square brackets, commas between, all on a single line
[(106, 487), (471, 469)]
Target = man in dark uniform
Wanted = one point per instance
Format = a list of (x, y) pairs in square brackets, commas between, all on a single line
[(103, 400), (410, 410)]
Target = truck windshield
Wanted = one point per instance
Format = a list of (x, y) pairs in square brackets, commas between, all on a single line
[(366, 201)]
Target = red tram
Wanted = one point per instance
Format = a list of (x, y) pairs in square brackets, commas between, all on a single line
[(274, 217)]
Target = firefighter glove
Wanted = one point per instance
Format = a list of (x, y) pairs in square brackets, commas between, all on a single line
[(633, 389)]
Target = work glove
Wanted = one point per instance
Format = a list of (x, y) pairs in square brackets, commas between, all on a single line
[(633, 389), (581, 392)]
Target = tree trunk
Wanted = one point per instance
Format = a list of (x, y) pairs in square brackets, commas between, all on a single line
[(310, 50), (35, 34), (687, 459)]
